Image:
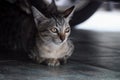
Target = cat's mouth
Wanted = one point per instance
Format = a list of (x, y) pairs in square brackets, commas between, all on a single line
[(59, 41)]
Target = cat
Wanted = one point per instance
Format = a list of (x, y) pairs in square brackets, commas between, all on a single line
[(45, 39), (52, 44)]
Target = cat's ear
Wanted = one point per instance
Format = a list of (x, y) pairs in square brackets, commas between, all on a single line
[(68, 13), (38, 16)]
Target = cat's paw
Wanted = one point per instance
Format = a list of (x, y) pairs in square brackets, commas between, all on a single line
[(52, 62)]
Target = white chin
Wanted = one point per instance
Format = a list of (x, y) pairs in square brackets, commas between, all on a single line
[(58, 42)]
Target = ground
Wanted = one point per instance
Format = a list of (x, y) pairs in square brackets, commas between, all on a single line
[(96, 57)]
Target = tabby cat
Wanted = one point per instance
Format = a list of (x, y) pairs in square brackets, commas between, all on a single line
[(52, 44)]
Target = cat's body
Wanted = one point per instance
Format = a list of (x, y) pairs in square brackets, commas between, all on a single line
[(44, 39), (48, 51), (50, 46)]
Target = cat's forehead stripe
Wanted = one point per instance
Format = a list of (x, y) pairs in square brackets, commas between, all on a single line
[(59, 21)]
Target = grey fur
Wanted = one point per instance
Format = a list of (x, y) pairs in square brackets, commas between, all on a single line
[(52, 48)]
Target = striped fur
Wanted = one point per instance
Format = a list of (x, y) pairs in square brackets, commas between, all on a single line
[(52, 44)]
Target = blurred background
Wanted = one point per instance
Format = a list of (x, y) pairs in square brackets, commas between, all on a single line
[(105, 18)]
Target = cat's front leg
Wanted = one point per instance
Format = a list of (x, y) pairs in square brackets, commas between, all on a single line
[(52, 62)]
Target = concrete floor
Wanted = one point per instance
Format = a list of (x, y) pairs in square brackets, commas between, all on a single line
[(16, 70), (96, 57)]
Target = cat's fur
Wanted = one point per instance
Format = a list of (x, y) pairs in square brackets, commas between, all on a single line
[(52, 48), (45, 39)]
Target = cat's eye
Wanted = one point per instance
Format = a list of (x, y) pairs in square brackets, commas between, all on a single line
[(67, 30), (54, 30)]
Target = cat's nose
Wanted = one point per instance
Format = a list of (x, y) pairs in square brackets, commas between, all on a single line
[(62, 37)]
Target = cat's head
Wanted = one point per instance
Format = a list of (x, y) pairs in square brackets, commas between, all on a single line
[(55, 28)]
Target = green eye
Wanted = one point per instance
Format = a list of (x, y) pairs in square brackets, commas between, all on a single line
[(67, 30), (54, 30)]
